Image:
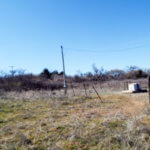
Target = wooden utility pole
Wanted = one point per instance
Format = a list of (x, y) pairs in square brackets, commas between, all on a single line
[(149, 88), (64, 75)]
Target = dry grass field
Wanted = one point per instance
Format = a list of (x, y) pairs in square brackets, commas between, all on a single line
[(75, 123)]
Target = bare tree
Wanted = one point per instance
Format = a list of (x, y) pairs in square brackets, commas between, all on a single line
[(95, 69), (20, 71)]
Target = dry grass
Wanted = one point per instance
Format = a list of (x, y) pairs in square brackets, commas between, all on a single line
[(121, 122)]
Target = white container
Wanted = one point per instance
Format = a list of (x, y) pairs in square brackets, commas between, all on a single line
[(134, 87)]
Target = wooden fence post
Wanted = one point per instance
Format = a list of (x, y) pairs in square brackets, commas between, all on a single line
[(97, 94), (85, 89), (125, 86), (73, 90), (149, 88)]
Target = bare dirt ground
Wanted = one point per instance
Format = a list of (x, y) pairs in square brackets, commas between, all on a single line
[(35, 121)]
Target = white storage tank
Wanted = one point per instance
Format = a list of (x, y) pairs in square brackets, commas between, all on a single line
[(134, 87)]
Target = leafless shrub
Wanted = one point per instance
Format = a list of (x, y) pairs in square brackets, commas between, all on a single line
[(28, 82)]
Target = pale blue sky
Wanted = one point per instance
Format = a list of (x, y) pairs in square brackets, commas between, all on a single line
[(109, 33)]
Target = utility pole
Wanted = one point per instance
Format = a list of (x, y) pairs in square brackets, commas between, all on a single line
[(64, 75), (12, 71)]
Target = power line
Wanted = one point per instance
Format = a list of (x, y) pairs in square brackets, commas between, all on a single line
[(108, 51)]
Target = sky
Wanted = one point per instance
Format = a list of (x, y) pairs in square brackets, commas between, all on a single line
[(108, 33)]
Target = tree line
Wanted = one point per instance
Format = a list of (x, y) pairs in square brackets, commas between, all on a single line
[(132, 72), (50, 80)]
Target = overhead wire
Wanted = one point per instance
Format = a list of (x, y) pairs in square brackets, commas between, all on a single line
[(106, 51)]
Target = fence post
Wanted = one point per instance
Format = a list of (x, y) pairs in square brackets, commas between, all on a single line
[(124, 85), (85, 89), (73, 90), (149, 88), (97, 94)]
